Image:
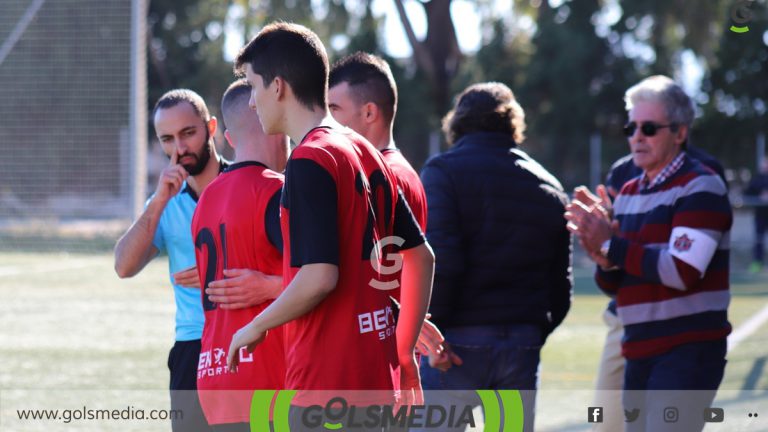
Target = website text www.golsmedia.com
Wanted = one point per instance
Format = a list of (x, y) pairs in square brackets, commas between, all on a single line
[(87, 414)]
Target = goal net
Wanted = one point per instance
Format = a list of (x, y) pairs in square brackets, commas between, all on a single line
[(72, 136)]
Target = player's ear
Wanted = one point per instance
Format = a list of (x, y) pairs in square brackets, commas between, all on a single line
[(370, 112), (229, 139), (212, 125), (279, 87)]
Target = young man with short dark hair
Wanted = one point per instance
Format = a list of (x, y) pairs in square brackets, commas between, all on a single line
[(362, 95), (236, 229), (339, 203)]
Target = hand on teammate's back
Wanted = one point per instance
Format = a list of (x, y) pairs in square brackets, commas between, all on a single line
[(187, 278), (171, 179), (244, 288)]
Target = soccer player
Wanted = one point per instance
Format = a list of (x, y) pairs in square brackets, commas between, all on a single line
[(185, 130), (340, 201), (237, 225), (362, 95)]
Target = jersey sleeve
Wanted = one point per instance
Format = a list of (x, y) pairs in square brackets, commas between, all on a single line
[(406, 226), (272, 221), (311, 199)]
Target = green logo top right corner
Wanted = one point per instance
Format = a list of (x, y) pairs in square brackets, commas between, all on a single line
[(741, 15)]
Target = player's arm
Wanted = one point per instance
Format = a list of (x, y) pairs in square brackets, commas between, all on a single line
[(415, 292), (135, 248), (309, 287)]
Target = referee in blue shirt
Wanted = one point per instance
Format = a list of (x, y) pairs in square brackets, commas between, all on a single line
[(185, 128)]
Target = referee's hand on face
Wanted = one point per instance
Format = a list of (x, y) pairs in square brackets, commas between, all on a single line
[(171, 179)]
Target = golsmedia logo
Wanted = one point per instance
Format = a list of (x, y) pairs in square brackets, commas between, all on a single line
[(377, 256), (503, 410), (741, 15), (337, 414)]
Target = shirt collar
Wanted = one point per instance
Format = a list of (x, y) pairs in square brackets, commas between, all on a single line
[(223, 164), (667, 172)]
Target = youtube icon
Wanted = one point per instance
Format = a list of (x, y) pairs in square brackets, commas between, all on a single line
[(714, 415)]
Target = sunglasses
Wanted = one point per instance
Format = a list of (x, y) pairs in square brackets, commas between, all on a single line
[(648, 129)]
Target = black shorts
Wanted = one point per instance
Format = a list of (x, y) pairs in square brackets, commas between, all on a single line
[(182, 363)]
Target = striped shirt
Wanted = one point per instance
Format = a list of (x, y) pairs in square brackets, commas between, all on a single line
[(673, 257)]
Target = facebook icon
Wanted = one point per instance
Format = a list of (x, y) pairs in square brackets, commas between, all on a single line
[(595, 414)]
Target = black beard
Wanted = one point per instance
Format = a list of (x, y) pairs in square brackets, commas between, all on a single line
[(202, 158)]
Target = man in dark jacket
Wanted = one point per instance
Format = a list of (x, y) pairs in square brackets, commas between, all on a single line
[(503, 255)]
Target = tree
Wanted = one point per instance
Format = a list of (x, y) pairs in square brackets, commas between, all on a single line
[(438, 56), (736, 108), (186, 48), (574, 88), (670, 26)]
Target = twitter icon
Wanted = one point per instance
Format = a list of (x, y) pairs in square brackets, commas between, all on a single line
[(631, 416)]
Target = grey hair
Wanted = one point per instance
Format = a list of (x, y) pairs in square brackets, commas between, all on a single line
[(662, 89)]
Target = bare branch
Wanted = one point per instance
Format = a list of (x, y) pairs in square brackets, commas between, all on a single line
[(420, 53)]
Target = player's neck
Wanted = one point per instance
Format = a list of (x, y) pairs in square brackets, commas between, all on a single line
[(302, 121), (199, 182), (381, 137), (257, 153)]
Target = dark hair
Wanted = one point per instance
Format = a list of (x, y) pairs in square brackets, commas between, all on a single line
[(485, 107), (174, 97), (237, 93), (292, 52), (370, 79)]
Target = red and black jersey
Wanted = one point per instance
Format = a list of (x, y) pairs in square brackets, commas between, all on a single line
[(413, 192), (410, 183), (340, 201), (236, 226)]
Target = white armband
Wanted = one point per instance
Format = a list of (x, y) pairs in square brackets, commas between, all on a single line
[(693, 247)]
